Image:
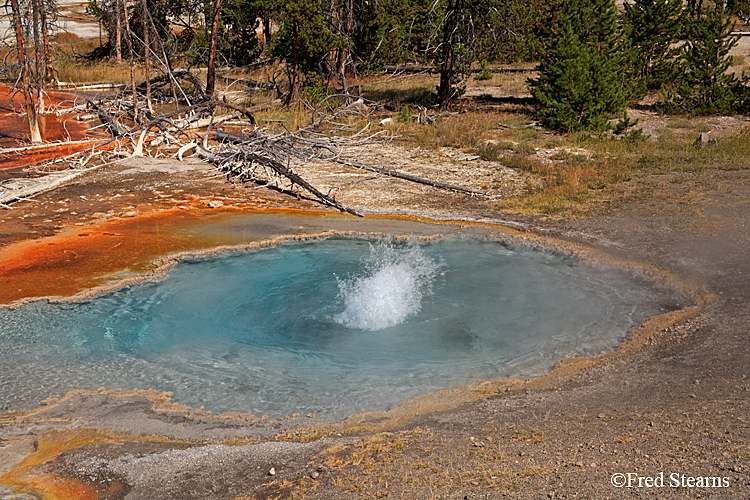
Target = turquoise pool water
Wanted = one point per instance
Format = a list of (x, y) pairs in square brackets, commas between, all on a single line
[(332, 327)]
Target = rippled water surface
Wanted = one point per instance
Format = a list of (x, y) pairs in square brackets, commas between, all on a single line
[(331, 327)]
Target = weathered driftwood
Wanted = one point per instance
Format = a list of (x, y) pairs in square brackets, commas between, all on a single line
[(221, 135), (238, 163), (262, 156), (222, 159)]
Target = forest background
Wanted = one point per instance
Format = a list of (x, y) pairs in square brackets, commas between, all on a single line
[(592, 58)]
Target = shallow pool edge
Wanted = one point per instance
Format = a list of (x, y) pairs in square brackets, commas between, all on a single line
[(646, 334)]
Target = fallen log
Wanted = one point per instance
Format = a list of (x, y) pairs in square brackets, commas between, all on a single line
[(221, 135), (197, 123), (260, 64), (254, 85), (266, 105), (90, 86), (409, 68), (6, 151), (391, 68), (409, 177), (246, 159), (296, 179)]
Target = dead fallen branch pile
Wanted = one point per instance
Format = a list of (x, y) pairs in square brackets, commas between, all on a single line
[(242, 152), (300, 148), (270, 158)]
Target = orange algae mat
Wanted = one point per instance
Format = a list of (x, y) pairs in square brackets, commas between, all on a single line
[(14, 128), (81, 258), (27, 477)]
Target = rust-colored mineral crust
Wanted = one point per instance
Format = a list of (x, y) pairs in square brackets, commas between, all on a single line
[(84, 257), (53, 127)]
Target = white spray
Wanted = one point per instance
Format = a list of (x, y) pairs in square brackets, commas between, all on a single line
[(390, 289)]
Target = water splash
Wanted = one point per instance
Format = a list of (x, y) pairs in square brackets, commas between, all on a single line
[(390, 289)]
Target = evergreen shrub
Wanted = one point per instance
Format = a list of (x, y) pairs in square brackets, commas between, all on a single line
[(702, 83), (579, 84)]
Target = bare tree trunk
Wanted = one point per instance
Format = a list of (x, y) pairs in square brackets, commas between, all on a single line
[(146, 55), (38, 73), (266, 31), (334, 54), (445, 92), (36, 136), (129, 40), (118, 34), (37, 38), (167, 62), (295, 79), (348, 24), (49, 73), (211, 73)]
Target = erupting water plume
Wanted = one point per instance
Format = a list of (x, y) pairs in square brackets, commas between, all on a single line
[(390, 289)]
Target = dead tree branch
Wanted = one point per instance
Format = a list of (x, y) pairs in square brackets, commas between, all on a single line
[(266, 157)]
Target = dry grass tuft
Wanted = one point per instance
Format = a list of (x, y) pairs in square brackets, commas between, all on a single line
[(279, 118), (465, 131), (508, 83), (403, 90)]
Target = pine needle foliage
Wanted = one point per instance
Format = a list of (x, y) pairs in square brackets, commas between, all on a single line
[(303, 41), (650, 28), (703, 85), (579, 85)]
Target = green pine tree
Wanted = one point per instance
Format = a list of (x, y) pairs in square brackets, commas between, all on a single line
[(704, 86), (651, 27), (303, 40), (240, 42), (579, 85), (393, 31)]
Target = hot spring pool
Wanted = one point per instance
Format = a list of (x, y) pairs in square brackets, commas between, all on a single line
[(333, 327)]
